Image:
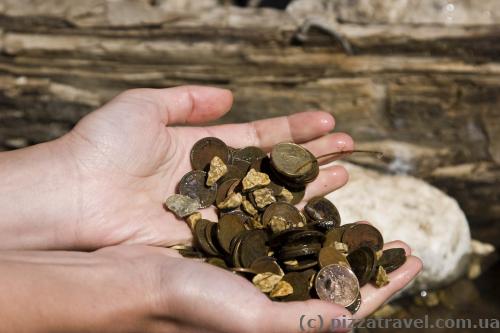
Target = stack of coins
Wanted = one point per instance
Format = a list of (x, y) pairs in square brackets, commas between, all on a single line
[(290, 255)]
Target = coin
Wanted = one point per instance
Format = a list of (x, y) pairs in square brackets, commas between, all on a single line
[(333, 235), (201, 237), (266, 264), (302, 264), (361, 234), (304, 237), (228, 228), (392, 259), (233, 172), (354, 307), (249, 154), (337, 284), (284, 210), (211, 236), (292, 252), (193, 185), (291, 160), (329, 256), (299, 283), (205, 149), (363, 264), (218, 262), (320, 209), (253, 246), (224, 189)]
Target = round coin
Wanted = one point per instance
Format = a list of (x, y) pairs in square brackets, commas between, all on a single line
[(329, 256), (392, 259), (300, 286), (360, 234), (201, 237), (286, 211), (193, 185), (225, 188), (266, 264), (291, 160), (249, 154), (337, 284), (228, 227), (205, 149), (322, 209), (354, 307), (253, 246), (363, 264), (333, 235)]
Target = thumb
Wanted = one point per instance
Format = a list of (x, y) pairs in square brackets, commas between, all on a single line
[(181, 105)]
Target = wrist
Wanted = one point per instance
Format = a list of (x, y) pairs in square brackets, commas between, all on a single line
[(41, 197)]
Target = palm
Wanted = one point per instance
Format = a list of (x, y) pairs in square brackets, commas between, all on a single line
[(129, 161)]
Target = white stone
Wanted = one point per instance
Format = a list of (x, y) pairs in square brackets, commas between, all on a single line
[(405, 208)]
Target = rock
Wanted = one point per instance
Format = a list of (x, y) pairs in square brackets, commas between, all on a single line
[(408, 209)]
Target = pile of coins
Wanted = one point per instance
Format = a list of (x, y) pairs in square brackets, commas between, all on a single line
[(290, 255)]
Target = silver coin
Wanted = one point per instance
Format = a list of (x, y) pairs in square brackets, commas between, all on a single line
[(337, 284)]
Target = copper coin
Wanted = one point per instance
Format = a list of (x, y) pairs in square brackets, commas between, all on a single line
[(218, 262), (228, 227), (292, 252), (363, 264), (205, 149), (278, 240), (333, 235), (266, 264), (284, 210), (359, 235), (302, 264), (305, 237), (211, 236), (329, 256), (337, 284), (253, 246), (354, 307), (201, 237), (249, 154), (300, 286), (322, 210), (392, 259), (193, 185), (291, 160), (298, 194), (225, 188)]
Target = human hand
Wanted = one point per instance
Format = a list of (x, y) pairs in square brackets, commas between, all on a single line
[(153, 289), (123, 160)]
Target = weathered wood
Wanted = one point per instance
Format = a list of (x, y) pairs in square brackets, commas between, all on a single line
[(431, 91)]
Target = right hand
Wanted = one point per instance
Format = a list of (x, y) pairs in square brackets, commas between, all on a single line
[(152, 289)]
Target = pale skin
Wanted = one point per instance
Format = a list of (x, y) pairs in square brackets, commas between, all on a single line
[(101, 188)]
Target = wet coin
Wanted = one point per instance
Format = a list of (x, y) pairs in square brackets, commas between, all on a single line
[(205, 149), (320, 209), (392, 259), (333, 235), (201, 237), (363, 264), (224, 189), (193, 186), (329, 256), (228, 228), (337, 284), (291, 160), (249, 154), (286, 211), (281, 238), (301, 265), (300, 285), (253, 246), (291, 252), (360, 234), (304, 237), (266, 264)]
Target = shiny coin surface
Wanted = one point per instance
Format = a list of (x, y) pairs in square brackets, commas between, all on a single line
[(363, 264), (337, 284), (321, 209), (392, 259), (291, 160), (228, 228), (193, 186), (333, 235), (302, 264), (358, 235), (286, 211), (205, 149), (354, 307), (329, 256)]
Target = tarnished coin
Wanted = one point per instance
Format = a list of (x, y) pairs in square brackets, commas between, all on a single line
[(249, 154), (360, 234), (304, 237), (253, 246), (392, 259), (228, 228), (329, 256), (211, 236), (193, 185), (320, 209), (233, 172), (301, 264), (363, 264), (292, 252), (299, 284), (284, 210), (205, 149), (218, 262), (291, 160), (224, 189), (333, 235), (200, 231), (280, 239), (337, 284), (266, 264)]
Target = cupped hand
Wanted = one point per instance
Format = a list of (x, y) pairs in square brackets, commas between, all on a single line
[(128, 156), (139, 288)]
